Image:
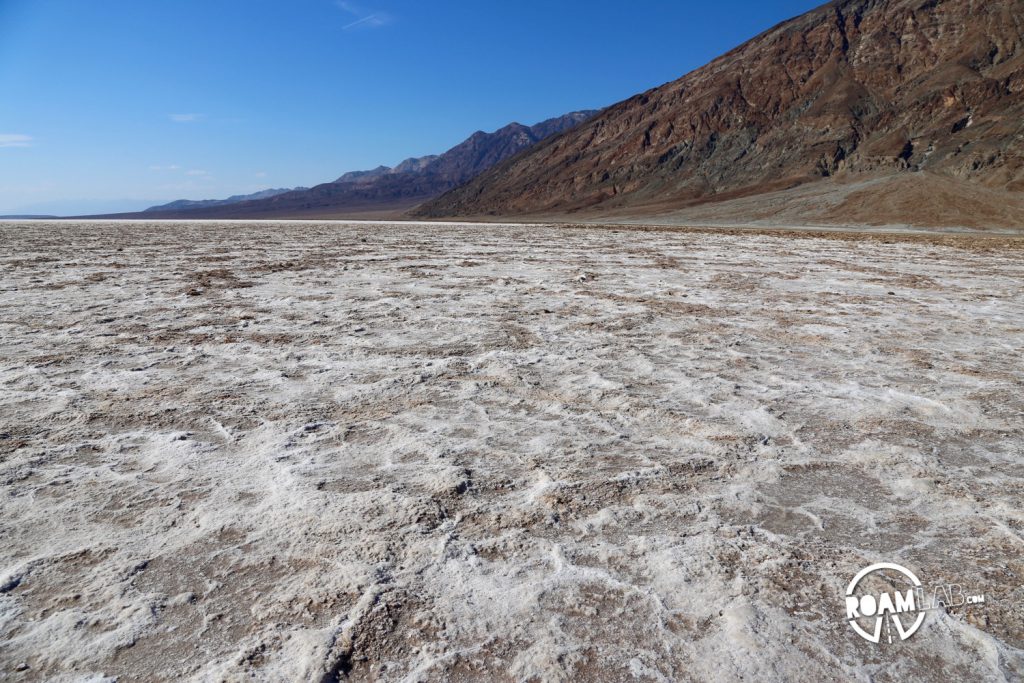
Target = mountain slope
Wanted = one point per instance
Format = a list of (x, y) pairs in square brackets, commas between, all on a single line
[(187, 204), (383, 191), (852, 90)]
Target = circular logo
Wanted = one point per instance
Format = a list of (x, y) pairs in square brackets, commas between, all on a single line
[(874, 598)]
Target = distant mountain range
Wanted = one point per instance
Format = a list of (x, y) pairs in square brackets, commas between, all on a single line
[(188, 204), (857, 112), (860, 111), (382, 191)]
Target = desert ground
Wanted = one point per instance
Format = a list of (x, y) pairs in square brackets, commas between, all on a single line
[(399, 452)]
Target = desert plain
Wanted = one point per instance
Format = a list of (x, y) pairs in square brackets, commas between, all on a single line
[(415, 452)]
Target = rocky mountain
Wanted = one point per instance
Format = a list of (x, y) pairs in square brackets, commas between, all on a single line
[(857, 92), (188, 204), (363, 176), (390, 191)]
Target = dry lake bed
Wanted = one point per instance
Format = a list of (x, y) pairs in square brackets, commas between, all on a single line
[(331, 451)]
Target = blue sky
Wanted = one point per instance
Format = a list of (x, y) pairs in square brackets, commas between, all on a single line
[(117, 104)]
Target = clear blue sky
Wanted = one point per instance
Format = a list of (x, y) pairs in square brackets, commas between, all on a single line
[(117, 104)]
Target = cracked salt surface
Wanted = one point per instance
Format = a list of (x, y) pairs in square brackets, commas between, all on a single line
[(409, 452)]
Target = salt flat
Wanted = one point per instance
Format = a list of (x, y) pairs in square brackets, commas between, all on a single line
[(457, 452)]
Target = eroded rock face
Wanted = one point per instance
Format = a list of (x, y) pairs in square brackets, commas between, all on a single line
[(853, 87)]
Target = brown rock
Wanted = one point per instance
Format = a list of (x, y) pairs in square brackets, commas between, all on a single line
[(853, 90)]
